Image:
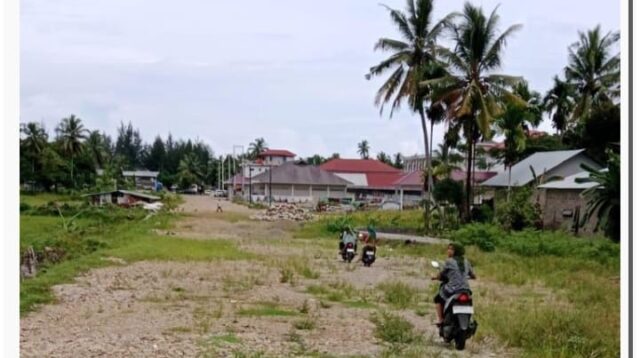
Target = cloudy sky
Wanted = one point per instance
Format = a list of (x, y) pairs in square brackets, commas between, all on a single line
[(227, 72)]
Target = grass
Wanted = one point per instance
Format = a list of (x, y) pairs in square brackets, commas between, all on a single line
[(304, 324), (398, 294), (44, 198), (394, 329), (266, 309)]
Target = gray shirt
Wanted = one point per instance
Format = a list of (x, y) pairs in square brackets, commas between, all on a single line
[(453, 278)]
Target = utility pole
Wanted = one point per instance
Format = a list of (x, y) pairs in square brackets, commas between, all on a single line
[(270, 167), (250, 170)]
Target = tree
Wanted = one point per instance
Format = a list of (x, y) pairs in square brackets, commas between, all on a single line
[(363, 149), (335, 156), (33, 143), (71, 134), (316, 159), (129, 145), (593, 71), (157, 155), (190, 171), (256, 147), (512, 125), (383, 157), (413, 60), (96, 148), (475, 97), (446, 161), (603, 199), (559, 103), (398, 161)]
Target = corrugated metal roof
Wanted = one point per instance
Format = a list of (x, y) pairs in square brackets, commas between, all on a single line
[(570, 182), (358, 166), (139, 173), (128, 192), (541, 162), (357, 179), (290, 173)]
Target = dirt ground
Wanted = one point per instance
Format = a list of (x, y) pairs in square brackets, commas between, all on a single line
[(263, 307)]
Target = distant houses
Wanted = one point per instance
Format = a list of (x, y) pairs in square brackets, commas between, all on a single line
[(142, 179), (120, 197)]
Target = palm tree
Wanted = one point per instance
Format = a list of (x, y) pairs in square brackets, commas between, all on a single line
[(512, 125), (413, 60), (256, 147), (71, 133), (447, 161), (559, 103), (190, 170), (593, 71), (96, 147), (363, 149), (604, 197), (34, 141), (475, 97)]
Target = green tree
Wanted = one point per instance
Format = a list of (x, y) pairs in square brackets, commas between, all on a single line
[(603, 199), (256, 147), (71, 134), (593, 70), (363, 149), (398, 161), (96, 148), (33, 142), (157, 155), (559, 103), (473, 94), (129, 145), (190, 170), (383, 157), (446, 161)]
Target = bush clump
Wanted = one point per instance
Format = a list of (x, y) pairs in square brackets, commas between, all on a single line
[(484, 236)]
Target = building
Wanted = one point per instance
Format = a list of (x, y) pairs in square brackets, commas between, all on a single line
[(369, 178), (143, 179), (291, 182), (563, 206), (547, 166), (120, 197)]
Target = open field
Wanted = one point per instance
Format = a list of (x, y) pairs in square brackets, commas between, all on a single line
[(207, 284)]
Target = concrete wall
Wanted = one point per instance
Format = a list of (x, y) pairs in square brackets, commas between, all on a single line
[(302, 193), (559, 206)]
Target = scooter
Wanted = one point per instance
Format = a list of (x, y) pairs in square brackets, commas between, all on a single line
[(368, 251), (458, 324), (348, 246)]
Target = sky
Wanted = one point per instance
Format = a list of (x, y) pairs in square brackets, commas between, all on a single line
[(227, 72)]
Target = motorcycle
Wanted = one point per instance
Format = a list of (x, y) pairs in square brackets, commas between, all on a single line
[(458, 324), (368, 251), (348, 246)]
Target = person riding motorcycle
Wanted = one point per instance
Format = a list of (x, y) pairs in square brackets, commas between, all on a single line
[(453, 277), (347, 235)]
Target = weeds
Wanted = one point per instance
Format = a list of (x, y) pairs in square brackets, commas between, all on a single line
[(392, 328)]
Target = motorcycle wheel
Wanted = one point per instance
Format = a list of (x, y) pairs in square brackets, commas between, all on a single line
[(460, 341)]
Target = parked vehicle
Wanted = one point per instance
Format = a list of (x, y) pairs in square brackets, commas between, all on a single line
[(458, 324), (348, 245)]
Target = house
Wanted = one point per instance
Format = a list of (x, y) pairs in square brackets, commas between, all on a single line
[(563, 206), (120, 197), (368, 177), (291, 182), (143, 179), (250, 169), (546, 165)]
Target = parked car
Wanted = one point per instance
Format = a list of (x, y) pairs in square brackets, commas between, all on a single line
[(219, 193)]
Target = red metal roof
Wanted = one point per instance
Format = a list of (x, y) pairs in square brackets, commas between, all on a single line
[(382, 180), (276, 153), (358, 166), (413, 178), (478, 176)]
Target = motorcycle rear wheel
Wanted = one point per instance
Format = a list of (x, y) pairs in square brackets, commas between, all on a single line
[(460, 341)]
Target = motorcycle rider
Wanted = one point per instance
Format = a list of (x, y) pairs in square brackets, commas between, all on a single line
[(454, 276)]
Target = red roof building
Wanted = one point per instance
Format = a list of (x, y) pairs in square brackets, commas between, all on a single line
[(364, 173), (276, 153)]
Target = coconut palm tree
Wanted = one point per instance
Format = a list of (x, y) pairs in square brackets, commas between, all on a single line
[(559, 103), (512, 125), (71, 134), (256, 147), (604, 197), (190, 170), (593, 70), (34, 141), (473, 93), (447, 161), (96, 147), (363, 149)]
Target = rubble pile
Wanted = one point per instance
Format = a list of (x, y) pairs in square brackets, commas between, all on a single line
[(289, 212)]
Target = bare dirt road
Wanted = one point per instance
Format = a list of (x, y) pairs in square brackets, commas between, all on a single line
[(294, 298)]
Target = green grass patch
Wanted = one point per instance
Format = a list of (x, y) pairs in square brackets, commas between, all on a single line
[(398, 294), (266, 309), (394, 329), (304, 324)]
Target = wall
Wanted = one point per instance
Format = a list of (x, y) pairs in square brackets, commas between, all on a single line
[(554, 202)]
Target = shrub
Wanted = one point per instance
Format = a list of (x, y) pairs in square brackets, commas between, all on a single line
[(448, 190), (337, 224), (482, 214), (484, 236), (398, 294), (393, 328), (519, 212)]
